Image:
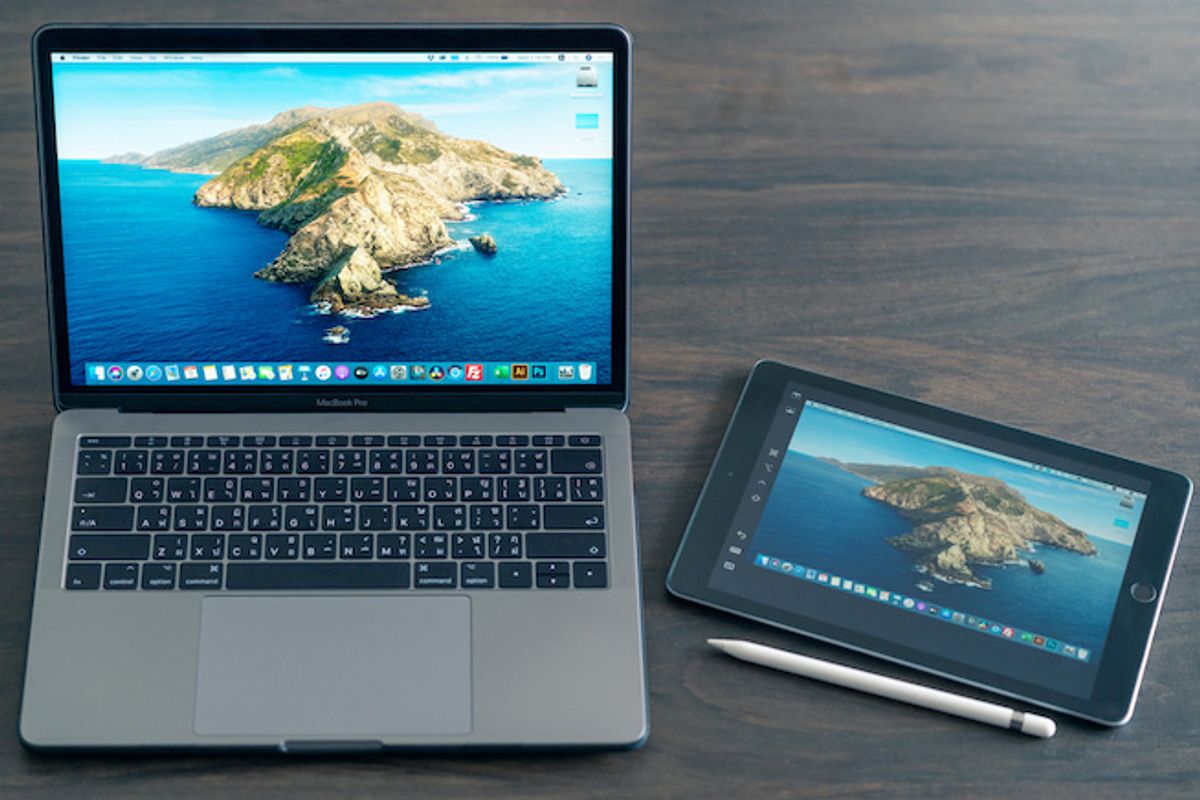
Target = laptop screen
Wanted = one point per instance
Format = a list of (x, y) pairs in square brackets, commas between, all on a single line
[(333, 220)]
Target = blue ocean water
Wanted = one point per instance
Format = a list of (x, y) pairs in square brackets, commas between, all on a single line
[(151, 277), (817, 516)]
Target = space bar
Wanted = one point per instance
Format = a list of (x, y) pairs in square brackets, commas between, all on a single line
[(371, 575)]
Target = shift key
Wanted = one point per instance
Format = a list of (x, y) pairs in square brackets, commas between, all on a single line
[(102, 518), (107, 547)]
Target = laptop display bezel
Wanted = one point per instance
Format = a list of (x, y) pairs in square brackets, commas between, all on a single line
[(530, 38)]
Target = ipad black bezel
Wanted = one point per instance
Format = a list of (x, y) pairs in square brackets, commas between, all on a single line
[(340, 38), (1124, 655)]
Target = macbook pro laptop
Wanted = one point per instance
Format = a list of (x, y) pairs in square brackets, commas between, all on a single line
[(340, 327)]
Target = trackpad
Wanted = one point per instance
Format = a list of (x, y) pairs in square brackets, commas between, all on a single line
[(354, 667)]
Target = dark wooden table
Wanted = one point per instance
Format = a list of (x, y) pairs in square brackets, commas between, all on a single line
[(980, 205)]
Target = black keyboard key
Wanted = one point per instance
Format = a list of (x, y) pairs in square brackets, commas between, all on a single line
[(220, 490), (504, 545), (204, 462), (403, 490), (524, 517), (146, 490), (102, 518), (282, 546), (440, 440), (515, 575), (228, 518), (257, 490), (154, 518), (100, 490), (208, 547), (487, 517), (295, 441), (440, 489), (166, 462), (337, 517), (468, 545), (294, 490), (591, 440), (312, 462), (187, 441), (587, 488), (573, 517), (301, 518), (375, 518), (553, 567), (590, 575), (367, 440), (275, 462), (366, 490), (475, 440), (357, 546), (478, 575), (435, 575), (553, 581), (191, 518), (131, 462), (475, 490), (269, 577), (264, 518), (529, 462), (109, 547), (392, 545), (404, 441), (514, 490), (223, 441), (349, 462), (495, 462), (458, 462), (120, 576), (449, 518), (321, 546), (158, 577), (564, 545), (430, 545), (512, 440), (412, 518), (576, 462), (245, 547), (104, 441), (183, 490), (258, 441), (549, 489), (332, 441), (422, 462), (241, 462), (83, 576), (547, 440), (386, 462), (94, 462), (170, 547), (201, 576), (329, 490), (150, 441)]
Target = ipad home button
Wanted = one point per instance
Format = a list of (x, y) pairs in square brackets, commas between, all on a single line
[(1143, 592)]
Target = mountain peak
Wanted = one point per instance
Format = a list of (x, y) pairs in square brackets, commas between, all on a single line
[(379, 113)]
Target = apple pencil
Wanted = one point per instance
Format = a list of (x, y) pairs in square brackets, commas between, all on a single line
[(905, 692)]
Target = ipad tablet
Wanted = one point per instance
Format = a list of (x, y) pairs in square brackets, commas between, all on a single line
[(966, 548)]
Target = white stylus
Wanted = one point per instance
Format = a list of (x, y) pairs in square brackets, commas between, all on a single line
[(891, 688)]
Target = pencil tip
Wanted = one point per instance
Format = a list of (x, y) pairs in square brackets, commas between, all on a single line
[(718, 643)]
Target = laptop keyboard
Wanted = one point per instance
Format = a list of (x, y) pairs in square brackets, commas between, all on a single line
[(245, 513)]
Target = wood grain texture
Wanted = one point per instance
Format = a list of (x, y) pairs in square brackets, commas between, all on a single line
[(987, 206)]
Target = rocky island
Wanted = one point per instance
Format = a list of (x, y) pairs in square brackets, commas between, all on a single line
[(962, 520), (485, 244), (361, 190)]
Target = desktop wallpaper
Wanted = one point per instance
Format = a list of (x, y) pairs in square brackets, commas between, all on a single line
[(952, 526), (440, 212)]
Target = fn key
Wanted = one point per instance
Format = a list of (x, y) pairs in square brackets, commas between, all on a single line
[(590, 575)]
